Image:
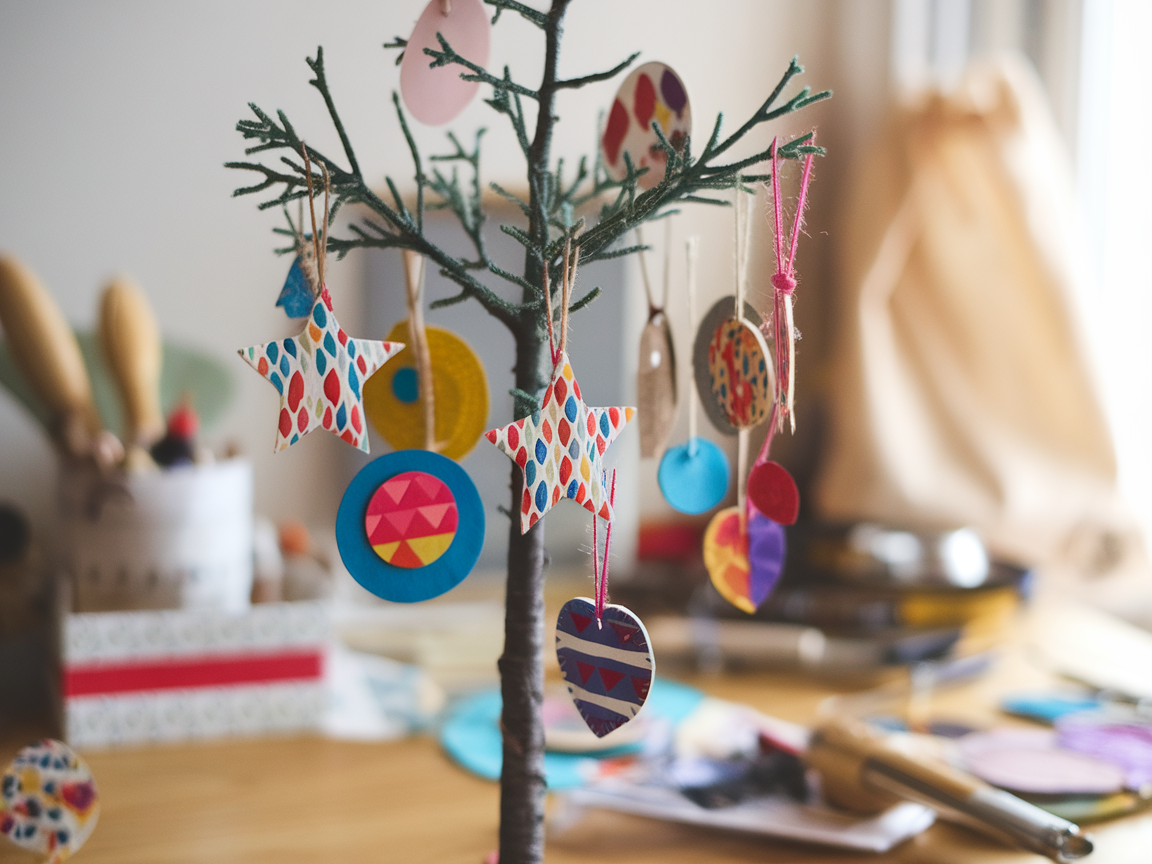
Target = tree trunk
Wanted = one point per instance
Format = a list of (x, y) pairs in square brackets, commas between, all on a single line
[(522, 785)]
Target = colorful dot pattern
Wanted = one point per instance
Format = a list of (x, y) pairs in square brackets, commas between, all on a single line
[(411, 519), (48, 800), (741, 381), (653, 93), (560, 449), (744, 562), (320, 376)]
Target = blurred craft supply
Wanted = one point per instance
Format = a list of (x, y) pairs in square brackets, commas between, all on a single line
[(307, 571), (149, 676), (178, 446), (45, 350), (130, 339), (961, 393), (860, 772)]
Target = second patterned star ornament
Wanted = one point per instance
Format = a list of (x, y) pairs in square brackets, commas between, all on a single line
[(560, 448)]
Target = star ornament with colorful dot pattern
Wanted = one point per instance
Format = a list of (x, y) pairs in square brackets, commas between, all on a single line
[(320, 375), (560, 448)]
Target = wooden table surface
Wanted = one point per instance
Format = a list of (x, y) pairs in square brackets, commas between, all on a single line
[(310, 800)]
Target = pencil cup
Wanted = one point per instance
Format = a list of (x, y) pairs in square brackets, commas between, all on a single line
[(173, 539)]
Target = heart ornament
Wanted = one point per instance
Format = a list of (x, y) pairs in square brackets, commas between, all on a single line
[(607, 665)]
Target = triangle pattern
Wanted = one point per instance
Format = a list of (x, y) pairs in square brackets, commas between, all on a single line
[(397, 488), (581, 621), (405, 557), (400, 520), (610, 677), (586, 670), (429, 485), (429, 548), (370, 523), (434, 513), (641, 686), (623, 632)]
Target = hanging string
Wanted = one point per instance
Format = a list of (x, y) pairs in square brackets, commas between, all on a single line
[(600, 572), (552, 350), (740, 251), (414, 276), (692, 250), (566, 293), (319, 239), (667, 260), (643, 255), (784, 283), (445, 7), (741, 477)]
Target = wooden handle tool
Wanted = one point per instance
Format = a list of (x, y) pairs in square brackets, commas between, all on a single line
[(860, 772), (44, 348), (130, 338)]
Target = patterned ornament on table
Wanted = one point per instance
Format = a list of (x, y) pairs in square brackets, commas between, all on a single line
[(320, 376), (48, 800), (560, 448), (741, 381), (296, 296), (744, 566), (651, 93), (607, 665)]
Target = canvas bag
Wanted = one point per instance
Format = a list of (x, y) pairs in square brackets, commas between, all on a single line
[(961, 392)]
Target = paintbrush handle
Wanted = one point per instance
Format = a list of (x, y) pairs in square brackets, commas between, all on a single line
[(131, 341), (44, 348)]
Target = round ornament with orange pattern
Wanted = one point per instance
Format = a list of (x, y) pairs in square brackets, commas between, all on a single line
[(410, 526)]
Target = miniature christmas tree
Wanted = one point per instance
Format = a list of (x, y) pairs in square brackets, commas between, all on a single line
[(553, 227)]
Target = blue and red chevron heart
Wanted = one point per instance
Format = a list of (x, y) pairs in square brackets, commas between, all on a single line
[(607, 665)]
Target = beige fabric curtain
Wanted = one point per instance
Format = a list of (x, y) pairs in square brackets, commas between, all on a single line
[(962, 394)]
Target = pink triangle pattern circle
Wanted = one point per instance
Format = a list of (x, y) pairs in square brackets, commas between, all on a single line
[(411, 519)]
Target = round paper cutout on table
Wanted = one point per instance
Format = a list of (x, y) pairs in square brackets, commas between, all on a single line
[(744, 566), (693, 476), (653, 93), (607, 665), (656, 386), (738, 365), (721, 310), (773, 492), (410, 526), (459, 387), (48, 800), (437, 96)]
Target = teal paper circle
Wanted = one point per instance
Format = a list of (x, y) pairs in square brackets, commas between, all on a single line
[(693, 477), (403, 584)]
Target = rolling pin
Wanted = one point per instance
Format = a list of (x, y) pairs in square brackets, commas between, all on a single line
[(860, 772), (131, 342), (45, 350)]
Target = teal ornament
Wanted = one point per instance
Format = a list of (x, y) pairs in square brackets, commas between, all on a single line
[(296, 296), (693, 476)]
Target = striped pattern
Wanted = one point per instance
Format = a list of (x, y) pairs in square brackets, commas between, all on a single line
[(608, 667)]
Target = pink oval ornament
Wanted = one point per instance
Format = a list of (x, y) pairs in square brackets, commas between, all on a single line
[(653, 93), (437, 96)]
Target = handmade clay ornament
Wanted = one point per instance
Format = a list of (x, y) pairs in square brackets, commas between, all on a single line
[(653, 93), (437, 96), (560, 448), (296, 296), (460, 391), (48, 800), (773, 492), (721, 310), (607, 665), (744, 565), (410, 526), (693, 476), (320, 376), (656, 386), (738, 367)]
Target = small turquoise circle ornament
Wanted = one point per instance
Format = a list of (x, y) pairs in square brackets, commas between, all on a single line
[(693, 477), (410, 526)]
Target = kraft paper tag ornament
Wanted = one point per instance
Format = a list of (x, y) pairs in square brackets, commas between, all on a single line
[(460, 386), (436, 96), (560, 448), (737, 353), (320, 372), (410, 526), (48, 800), (656, 369), (653, 93), (693, 476), (784, 284)]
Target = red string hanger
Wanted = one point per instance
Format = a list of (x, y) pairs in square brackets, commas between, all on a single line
[(600, 571), (784, 283)]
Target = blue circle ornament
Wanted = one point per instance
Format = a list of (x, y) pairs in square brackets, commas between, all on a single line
[(693, 476), (409, 584)]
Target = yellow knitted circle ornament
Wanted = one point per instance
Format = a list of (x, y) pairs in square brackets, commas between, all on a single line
[(459, 387)]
